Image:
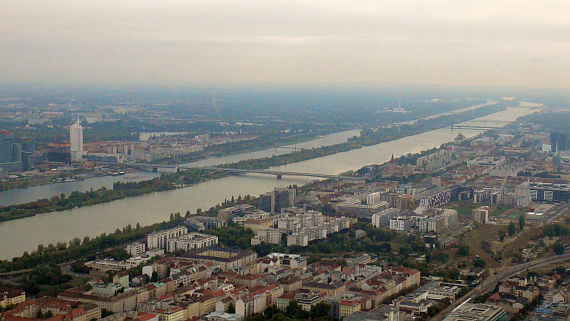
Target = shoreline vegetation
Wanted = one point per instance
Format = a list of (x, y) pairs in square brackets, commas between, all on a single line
[(368, 137), (250, 146), (185, 178), (108, 244)]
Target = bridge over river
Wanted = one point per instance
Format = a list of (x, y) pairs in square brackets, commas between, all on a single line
[(278, 173)]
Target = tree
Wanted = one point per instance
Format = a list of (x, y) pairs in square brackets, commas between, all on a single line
[(231, 308), (154, 277), (558, 249), (478, 262), (294, 311), (502, 235), (320, 310), (521, 222), (270, 312), (511, 229), (463, 250)]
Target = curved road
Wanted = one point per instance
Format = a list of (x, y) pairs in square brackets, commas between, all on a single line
[(491, 282)]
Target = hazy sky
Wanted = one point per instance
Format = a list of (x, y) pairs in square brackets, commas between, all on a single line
[(189, 42)]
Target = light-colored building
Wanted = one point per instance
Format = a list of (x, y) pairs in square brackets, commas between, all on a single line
[(136, 248), (298, 239), (76, 142), (400, 223), (121, 278), (373, 198), (477, 312), (481, 214), (382, 219), (191, 241), (136, 261), (106, 265), (223, 316), (269, 235), (10, 297), (159, 239), (59, 309)]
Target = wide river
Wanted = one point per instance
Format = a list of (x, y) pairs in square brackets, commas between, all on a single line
[(25, 234)]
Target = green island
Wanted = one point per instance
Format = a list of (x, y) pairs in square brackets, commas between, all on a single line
[(265, 140), (184, 178), (120, 190), (368, 137)]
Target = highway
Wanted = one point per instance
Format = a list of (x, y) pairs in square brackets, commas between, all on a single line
[(492, 280)]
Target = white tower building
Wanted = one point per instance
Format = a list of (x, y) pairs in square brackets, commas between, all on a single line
[(76, 141)]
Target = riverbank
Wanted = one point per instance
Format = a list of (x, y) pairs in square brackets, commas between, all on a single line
[(120, 190), (78, 249), (368, 137), (248, 146), (25, 234), (191, 177)]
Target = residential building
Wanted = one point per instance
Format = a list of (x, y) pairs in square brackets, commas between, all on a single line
[(35, 309), (481, 214), (400, 223), (136, 248), (9, 297), (159, 239), (382, 218), (373, 198), (191, 241), (268, 235)]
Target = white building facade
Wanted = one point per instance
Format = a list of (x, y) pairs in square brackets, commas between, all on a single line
[(76, 142)]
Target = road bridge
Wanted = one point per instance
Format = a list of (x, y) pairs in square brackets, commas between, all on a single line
[(277, 173)]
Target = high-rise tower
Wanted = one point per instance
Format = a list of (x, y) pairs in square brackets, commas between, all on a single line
[(76, 142)]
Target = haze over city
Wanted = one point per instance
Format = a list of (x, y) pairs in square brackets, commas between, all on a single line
[(284, 160), (219, 42)]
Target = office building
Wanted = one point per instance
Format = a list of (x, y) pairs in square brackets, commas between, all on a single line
[(557, 142), (477, 312), (227, 258), (549, 192), (281, 197), (6, 147), (76, 142), (10, 153)]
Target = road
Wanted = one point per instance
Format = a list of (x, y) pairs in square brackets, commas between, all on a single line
[(491, 282)]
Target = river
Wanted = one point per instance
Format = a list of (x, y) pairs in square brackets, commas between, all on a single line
[(327, 140), (25, 234), (30, 194), (25, 195)]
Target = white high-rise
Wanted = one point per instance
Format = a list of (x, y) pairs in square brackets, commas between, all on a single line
[(76, 141)]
